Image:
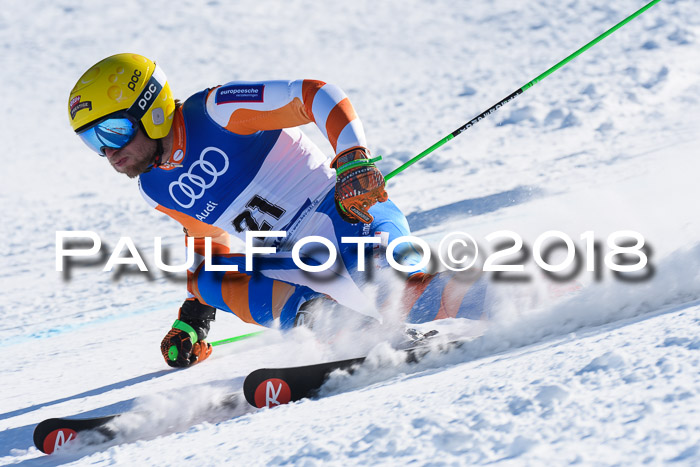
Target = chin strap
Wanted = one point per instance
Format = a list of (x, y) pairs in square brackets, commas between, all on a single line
[(157, 155)]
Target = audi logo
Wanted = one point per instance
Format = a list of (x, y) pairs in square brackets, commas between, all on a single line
[(190, 186)]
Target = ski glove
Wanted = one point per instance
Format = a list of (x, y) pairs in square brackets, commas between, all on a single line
[(184, 344), (359, 185)]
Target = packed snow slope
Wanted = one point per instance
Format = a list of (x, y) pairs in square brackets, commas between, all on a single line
[(603, 371)]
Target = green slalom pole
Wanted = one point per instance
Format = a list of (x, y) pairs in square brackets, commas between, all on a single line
[(515, 94), (236, 338)]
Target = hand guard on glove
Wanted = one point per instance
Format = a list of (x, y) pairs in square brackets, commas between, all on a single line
[(184, 344), (359, 185)]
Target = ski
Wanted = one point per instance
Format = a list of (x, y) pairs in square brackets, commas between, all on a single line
[(270, 387), (53, 433), (264, 387)]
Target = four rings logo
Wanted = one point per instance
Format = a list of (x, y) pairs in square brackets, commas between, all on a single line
[(201, 175)]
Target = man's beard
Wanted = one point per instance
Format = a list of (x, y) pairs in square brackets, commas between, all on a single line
[(141, 165)]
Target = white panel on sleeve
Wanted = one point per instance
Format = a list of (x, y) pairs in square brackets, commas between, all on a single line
[(352, 135), (276, 94), (325, 100)]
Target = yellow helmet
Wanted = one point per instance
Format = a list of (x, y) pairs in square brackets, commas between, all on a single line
[(127, 83)]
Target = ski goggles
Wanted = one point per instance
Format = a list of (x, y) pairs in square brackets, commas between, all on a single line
[(113, 131)]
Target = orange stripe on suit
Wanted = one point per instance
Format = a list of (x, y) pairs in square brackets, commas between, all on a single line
[(309, 88), (281, 291), (415, 286), (451, 299), (234, 291), (342, 114), (192, 283), (247, 121)]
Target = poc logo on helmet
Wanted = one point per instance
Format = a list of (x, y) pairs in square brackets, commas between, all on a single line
[(134, 80), (147, 96)]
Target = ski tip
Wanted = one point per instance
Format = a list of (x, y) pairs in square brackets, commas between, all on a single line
[(53, 433), (48, 437), (271, 393), (268, 392)]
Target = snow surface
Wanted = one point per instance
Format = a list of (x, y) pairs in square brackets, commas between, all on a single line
[(607, 373)]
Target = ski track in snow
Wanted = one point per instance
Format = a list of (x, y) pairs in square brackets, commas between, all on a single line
[(608, 375)]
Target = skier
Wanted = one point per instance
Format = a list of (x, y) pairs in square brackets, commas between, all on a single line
[(230, 159)]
